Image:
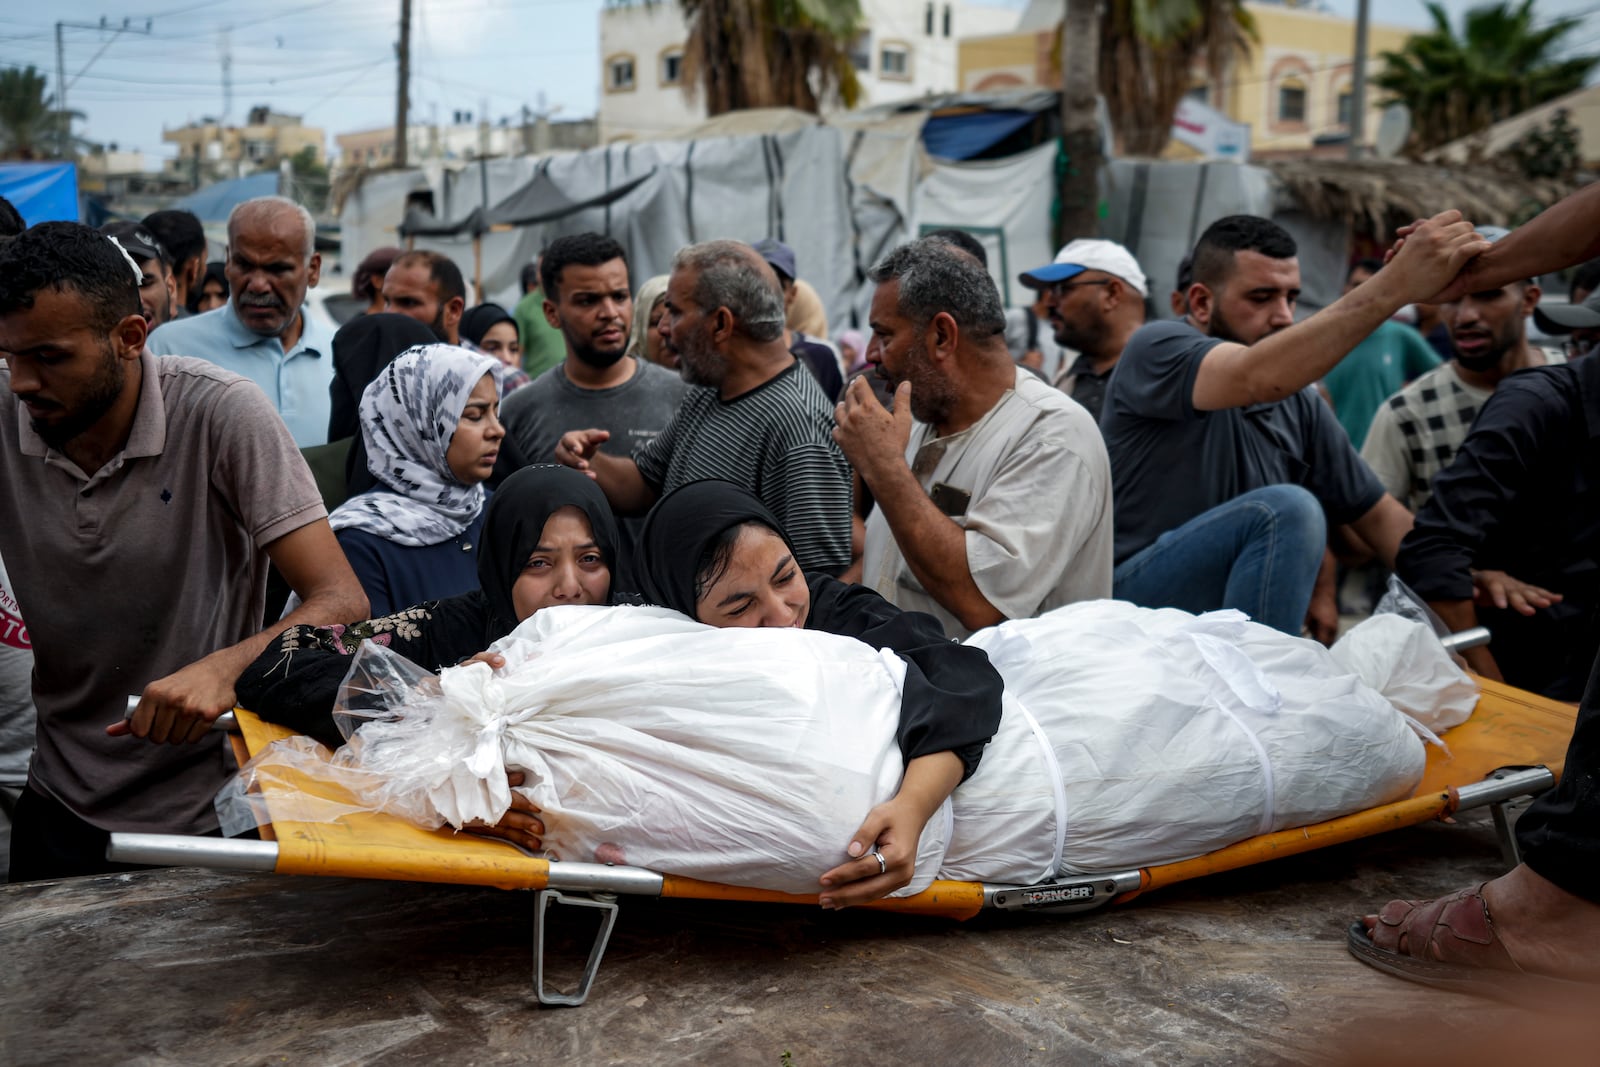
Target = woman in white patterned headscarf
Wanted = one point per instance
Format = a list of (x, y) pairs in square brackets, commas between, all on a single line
[(430, 424)]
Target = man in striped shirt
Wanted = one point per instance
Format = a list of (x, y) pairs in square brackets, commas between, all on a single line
[(761, 421)]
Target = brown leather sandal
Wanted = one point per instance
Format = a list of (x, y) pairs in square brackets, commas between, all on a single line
[(1450, 943)]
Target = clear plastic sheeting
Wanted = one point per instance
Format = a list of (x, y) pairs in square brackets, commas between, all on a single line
[(1129, 737)]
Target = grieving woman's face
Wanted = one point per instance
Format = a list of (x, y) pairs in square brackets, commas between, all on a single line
[(475, 445), (760, 586), (566, 567)]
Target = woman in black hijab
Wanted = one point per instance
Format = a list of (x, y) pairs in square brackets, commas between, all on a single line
[(211, 292), (548, 538), (361, 349), (491, 329), (714, 552)]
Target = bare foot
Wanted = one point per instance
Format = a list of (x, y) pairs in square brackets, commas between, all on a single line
[(1546, 929)]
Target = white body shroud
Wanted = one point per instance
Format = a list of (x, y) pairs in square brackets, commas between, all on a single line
[(1129, 737)]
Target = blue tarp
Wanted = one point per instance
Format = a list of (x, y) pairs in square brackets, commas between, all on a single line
[(967, 136), (42, 192), (214, 202)]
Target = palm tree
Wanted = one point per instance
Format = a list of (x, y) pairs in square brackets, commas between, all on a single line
[(1501, 64), (30, 127), (771, 53), (1148, 51), (1079, 171)]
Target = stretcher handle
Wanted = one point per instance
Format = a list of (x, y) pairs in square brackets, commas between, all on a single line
[(1460, 642), (225, 721)]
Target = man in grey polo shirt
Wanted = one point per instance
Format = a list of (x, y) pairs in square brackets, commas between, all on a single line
[(586, 297), (264, 332), (993, 489), (155, 491)]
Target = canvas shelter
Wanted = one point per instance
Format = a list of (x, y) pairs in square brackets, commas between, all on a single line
[(843, 191)]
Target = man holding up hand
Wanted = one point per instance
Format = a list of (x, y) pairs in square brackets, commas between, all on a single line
[(993, 489), (1228, 469)]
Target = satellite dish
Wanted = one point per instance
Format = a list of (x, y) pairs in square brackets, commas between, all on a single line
[(1393, 129)]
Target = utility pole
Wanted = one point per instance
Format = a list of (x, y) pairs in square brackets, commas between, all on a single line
[(402, 102), (63, 124), (1358, 86), (63, 119), (225, 46)]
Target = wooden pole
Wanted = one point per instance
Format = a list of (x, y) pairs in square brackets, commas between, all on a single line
[(402, 100), (477, 266)]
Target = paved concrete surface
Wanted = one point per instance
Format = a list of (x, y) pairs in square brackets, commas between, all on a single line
[(186, 966)]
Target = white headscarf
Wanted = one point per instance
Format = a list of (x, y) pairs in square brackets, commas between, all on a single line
[(408, 415)]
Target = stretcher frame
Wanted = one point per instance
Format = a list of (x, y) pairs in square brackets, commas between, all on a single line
[(1512, 747)]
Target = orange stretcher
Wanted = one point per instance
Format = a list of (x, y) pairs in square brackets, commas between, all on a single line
[(1513, 746)]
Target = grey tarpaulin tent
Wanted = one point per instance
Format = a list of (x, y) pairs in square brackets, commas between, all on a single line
[(538, 202), (541, 200), (840, 192)]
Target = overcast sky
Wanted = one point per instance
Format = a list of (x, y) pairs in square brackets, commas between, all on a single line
[(333, 60)]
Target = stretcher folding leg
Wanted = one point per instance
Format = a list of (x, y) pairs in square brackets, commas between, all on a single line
[(543, 900)]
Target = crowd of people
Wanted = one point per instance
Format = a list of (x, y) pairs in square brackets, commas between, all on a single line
[(215, 499)]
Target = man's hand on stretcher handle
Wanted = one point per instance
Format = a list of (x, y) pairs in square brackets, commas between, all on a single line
[(180, 708)]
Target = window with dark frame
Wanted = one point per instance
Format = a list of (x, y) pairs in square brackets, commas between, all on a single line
[(861, 52), (621, 73), (1292, 102)]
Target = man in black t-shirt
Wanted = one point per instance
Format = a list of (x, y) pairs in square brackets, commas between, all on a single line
[(1226, 466)]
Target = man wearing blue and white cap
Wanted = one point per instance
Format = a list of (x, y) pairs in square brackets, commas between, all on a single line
[(1095, 292), (1417, 431)]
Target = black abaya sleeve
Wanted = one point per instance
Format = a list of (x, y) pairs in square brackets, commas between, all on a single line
[(295, 682), (952, 692)]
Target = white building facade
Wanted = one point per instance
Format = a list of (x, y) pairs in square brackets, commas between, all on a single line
[(907, 49)]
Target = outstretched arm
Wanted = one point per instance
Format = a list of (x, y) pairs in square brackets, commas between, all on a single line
[(618, 476), (1561, 236), (1235, 375)]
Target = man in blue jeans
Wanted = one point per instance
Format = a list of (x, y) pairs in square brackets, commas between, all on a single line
[(1227, 468)]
